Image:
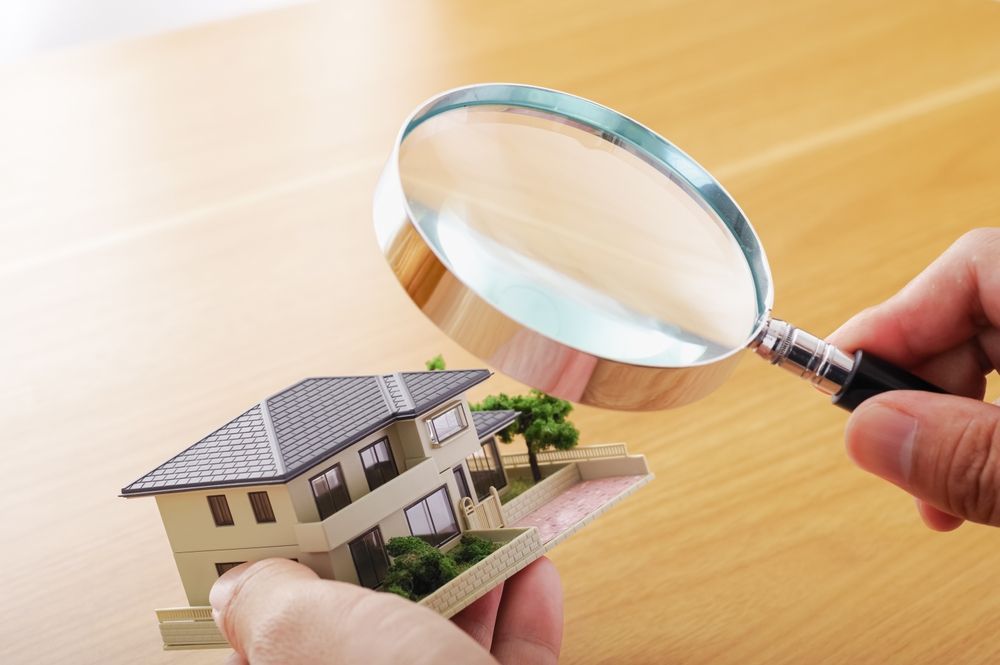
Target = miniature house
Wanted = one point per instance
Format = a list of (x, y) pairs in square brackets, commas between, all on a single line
[(325, 472)]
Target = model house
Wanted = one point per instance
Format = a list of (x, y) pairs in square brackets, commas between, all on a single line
[(325, 472), (328, 470)]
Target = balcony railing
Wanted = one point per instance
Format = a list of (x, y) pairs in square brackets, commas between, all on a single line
[(373, 507), (189, 628)]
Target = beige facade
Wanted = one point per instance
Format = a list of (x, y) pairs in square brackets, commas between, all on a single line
[(297, 532), (193, 628)]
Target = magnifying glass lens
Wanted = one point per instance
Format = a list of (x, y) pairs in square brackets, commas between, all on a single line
[(573, 233)]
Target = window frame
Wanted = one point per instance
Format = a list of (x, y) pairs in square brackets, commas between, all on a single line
[(464, 490), (392, 459), (430, 517), (343, 482), (263, 511), (377, 530), (497, 474), (222, 567), (222, 515), (432, 428)]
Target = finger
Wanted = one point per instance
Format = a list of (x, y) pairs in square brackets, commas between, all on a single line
[(942, 449), (479, 618), (277, 611), (960, 370), (236, 659), (937, 519), (948, 303), (530, 621)]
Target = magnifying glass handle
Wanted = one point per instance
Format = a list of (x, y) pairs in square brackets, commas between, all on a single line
[(849, 379)]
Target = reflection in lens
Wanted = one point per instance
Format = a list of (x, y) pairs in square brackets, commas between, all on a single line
[(576, 237)]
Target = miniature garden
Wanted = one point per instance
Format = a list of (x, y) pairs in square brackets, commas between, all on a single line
[(417, 568)]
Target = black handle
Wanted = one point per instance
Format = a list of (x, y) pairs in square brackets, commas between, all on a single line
[(871, 375)]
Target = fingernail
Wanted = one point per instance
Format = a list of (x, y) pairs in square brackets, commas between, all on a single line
[(880, 441), (222, 592)]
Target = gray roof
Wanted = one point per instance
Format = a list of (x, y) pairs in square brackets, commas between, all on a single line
[(491, 422), (301, 426)]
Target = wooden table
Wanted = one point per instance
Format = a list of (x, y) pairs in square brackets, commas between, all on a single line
[(186, 227)]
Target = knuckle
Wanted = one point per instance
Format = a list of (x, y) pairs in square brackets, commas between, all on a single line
[(976, 241), (972, 481), (979, 236)]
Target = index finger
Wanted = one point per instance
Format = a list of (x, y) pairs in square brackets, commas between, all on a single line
[(949, 303)]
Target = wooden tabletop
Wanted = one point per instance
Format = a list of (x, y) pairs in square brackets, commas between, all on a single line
[(185, 227)]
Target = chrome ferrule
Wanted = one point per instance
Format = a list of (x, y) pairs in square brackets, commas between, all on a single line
[(819, 362)]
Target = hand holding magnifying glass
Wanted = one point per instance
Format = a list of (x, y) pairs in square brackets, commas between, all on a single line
[(581, 253), (942, 449), (585, 255)]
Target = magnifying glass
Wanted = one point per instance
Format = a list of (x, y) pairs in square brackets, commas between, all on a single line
[(581, 253)]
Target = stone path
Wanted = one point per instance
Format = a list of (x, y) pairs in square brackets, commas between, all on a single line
[(575, 504)]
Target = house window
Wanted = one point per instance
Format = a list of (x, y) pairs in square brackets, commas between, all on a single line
[(486, 469), (221, 568), (220, 510), (380, 468), (261, 505), (432, 518), (446, 424), (330, 491), (463, 484), (370, 560)]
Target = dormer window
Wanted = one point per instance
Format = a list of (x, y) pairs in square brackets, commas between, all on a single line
[(446, 424)]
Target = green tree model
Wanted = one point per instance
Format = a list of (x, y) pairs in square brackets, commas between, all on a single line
[(541, 420), (437, 362)]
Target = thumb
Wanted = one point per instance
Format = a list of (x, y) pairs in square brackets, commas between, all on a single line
[(276, 611), (942, 449)]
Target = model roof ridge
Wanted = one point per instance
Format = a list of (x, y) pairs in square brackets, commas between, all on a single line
[(234, 454), (272, 439), (408, 405)]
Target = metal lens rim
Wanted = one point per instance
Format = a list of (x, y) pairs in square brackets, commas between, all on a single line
[(629, 134)]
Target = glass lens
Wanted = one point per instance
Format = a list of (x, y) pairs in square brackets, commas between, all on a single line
[(576, 236)]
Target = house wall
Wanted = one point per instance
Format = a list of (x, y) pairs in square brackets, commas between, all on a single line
[(188, 521), (300, 491), (198, 544), (198, 572), (455, 449), (410, 443)]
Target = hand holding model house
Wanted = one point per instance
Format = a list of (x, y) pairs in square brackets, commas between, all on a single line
[(276, 612), (390, 482)]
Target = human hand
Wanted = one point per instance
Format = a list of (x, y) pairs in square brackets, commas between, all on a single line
[(277, 611), (945, 327)]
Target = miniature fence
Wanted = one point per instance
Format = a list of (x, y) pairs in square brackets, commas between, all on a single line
[(572, 455), (487, 514), (184, 614), (513, 555), (189, 628)]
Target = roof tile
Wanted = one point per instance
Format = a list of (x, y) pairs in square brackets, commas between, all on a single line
[(312, 420)]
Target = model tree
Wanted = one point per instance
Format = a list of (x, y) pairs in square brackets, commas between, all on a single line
[(541, 420), (435, 363)]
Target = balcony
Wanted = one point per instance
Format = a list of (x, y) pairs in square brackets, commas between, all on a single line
[(406, 488)]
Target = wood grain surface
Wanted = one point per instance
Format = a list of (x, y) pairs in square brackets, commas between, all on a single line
[(185, 227)]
